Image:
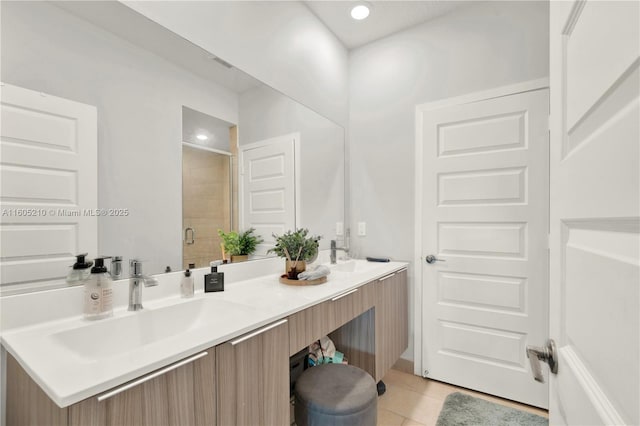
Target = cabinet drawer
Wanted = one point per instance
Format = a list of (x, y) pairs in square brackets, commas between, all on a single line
[(180, 394), (183, 393), (316, 321)]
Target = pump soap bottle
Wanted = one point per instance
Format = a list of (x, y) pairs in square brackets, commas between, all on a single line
[(186, 285), (81, 270), (98, 292)]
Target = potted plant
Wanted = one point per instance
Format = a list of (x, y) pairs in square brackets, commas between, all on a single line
[(297, 247), (239, 245)]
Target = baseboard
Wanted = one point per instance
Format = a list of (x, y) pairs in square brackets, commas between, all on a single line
[(404, 365)]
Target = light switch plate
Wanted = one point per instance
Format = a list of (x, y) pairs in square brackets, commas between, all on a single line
[(339, 228), (362, 229)]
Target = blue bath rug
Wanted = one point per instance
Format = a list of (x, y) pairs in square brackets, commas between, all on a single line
[(465, 410)]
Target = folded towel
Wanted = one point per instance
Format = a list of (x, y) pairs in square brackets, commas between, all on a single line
[(313, 274)]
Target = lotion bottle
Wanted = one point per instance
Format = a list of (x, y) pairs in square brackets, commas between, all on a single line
[(186, 285), (98, 292)]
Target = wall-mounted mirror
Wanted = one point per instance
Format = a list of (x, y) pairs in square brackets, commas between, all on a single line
[(283, 161)]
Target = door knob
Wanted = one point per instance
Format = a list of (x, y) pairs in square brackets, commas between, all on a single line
[(431, 259), (546, 354)]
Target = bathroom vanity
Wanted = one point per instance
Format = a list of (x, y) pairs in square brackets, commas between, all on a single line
[(219, 358)]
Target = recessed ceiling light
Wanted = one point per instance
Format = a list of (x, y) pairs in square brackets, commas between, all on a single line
[(202, 137), (360, 12)]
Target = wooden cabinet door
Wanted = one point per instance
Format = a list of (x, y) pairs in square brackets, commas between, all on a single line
[(181, 396), (253, 378), (27, 404), (391, 319)]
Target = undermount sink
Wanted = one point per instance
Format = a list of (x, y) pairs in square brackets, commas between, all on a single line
[(351, 266), (113, 336)]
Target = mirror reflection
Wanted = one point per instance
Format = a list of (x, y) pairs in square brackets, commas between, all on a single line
[(207, 185), (275, 163)]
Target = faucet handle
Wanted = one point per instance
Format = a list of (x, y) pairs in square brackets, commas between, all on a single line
[(149, 281), (135, 267)]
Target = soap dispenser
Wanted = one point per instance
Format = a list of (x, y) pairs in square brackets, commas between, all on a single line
[(98, 292), (80, 270), (186, 285)]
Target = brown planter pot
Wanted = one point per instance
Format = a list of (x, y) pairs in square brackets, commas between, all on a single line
[(239, 258), (293, 273)]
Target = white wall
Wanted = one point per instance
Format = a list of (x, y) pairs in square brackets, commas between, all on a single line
[(139, 97), (280, 43), (265, 113), (482, 46)]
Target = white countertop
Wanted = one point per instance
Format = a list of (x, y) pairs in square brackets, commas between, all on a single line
[(73, 359)]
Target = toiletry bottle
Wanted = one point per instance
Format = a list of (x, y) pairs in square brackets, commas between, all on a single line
[(186, 285), (215, 280), (98, 294), (80, 270)]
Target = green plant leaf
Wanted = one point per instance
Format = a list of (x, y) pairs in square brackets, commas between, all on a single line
[(296, 242), (238, 244)]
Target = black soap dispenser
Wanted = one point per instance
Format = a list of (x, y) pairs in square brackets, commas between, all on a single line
[(215, 280), (80, 270)]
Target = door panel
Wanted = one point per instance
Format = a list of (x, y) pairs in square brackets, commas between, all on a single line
[(269, 188), (485, 214), (595, 212), (49, 156)]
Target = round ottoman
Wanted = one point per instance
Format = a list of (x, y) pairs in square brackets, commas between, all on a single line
[(337, 395)]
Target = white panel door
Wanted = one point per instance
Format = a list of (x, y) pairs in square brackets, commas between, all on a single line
[(485, 212), (48, 169), (269, 188), (595, 212)]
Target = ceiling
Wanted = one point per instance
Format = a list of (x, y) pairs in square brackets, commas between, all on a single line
[(387, 17), (122, 21)]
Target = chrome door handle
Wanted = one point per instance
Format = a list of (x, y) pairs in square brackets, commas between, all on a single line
[(148, 377), (345, 294), (188, 240), (256, 333), (432, 259), (546, 354)]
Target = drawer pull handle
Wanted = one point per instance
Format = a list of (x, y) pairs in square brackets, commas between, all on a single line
[(386, 277), (340, 296), (148, 377), (255, 333)]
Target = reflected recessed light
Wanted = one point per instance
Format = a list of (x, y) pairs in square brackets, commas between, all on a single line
[(202, 137), (360, 12)]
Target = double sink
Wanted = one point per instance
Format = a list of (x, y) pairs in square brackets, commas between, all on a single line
[(72, 358), (128, 331)]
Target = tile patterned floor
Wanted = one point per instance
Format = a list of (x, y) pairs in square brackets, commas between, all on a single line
[(413, 401)]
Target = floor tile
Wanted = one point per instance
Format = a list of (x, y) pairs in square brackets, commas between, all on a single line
[(389, 418), (420, 400), (409, 422), (410, 404)]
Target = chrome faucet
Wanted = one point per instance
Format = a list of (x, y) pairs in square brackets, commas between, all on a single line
[(136, 278), (332, 256)]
